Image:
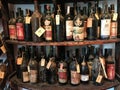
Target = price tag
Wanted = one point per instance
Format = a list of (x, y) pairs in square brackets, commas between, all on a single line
[(42, 62), (99, 78), (115, 15), (27, 20), (57, 17), (3, 49), (2, 74), (89, 22), (28, 67), (40, 31), (19, 61), (97, 16), (78, 68), (49, 64)]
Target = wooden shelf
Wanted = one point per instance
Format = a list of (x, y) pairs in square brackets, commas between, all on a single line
[(65, 43), (45, 86)]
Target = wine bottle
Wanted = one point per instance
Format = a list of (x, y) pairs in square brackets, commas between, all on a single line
[(24, 69), (105, 24), (84, 72), (69, 25), (33, 67), (59, 25), (28, 28), (37, 30), (78, 29), (110, 66), (62, 72), (113, 31), (20, 26), (74, 72), (12, 27), (48, 24)]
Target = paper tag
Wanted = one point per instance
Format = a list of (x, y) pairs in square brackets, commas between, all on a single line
[(78, 68), (99, 78), (97, 16), (27, 20), (3, 49), (49, 64), (40, 31), (57, 17), (61, 66), (115, 15), (42, 62), (89, 22), (19, 61), (28, 67), (2, 74)]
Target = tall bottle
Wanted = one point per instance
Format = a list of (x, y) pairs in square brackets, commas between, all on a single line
[(48, 24), (84, 72), (113, 31), (59, 25), (28, 28), (69, 25), (20, 26), (24, 69), (105, 24), (33, 67), (78, 29), (110, 66), (37, 30), (74, 72), (12, 27)]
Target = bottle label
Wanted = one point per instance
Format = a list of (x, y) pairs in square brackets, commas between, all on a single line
[(105, 27), (89, 22), (40, 31), (19, 61), (84, 77), (57, 18), (48, 33), (99, 79), (78, 33), (27, 20), (62, 73), (115, 15), (75, 77), (33, 76), (12, 32), (42, 62), (25, 76), (20, 31), (113, 32), (111, 71), (69, 28), (3, 49), (2, 74)]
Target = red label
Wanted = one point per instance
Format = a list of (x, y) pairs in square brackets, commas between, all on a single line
[(12, 32), (62, 73), (48, 32), (75, 77), (20, 31), (113, 32), (111, 71)]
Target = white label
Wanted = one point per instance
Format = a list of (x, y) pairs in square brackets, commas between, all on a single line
[(115, 15), (27, 20), (57, 18), (84, 77), (69, 28), (105, 27), (42, 62), (40, 31)]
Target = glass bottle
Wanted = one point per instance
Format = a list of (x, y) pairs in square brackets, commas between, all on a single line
[(105, 24), (113, 31), (28, 28), (69, 25), (48, 24), (20, 26), (74, 72), (37, 30), (33, 67), (12, 27), (59, 25), (24, 69), (78, 29)]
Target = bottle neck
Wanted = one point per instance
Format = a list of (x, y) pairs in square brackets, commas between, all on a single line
[(35, 5)]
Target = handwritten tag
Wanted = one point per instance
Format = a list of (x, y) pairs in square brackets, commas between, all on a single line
[(2, 74), (115, 15), (57, 19), (3, 49), (78, 68), (40, 31), (99, 78), (97, 16), (19, 61), (42, 62), (27, 20), (49, 64)]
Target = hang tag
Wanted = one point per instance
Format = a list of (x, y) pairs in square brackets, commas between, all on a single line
[(99, 79), (2, 74), (40, 31), (27, 20), (42, 62), (28, 67), (57, 17), (115, 15), (19, 61), (3, 49), (49, 64), (97, 16), (61, 66), (78, 68)]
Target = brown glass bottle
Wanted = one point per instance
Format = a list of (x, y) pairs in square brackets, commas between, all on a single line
[(12, 27), (20, 26), (37, 35)]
